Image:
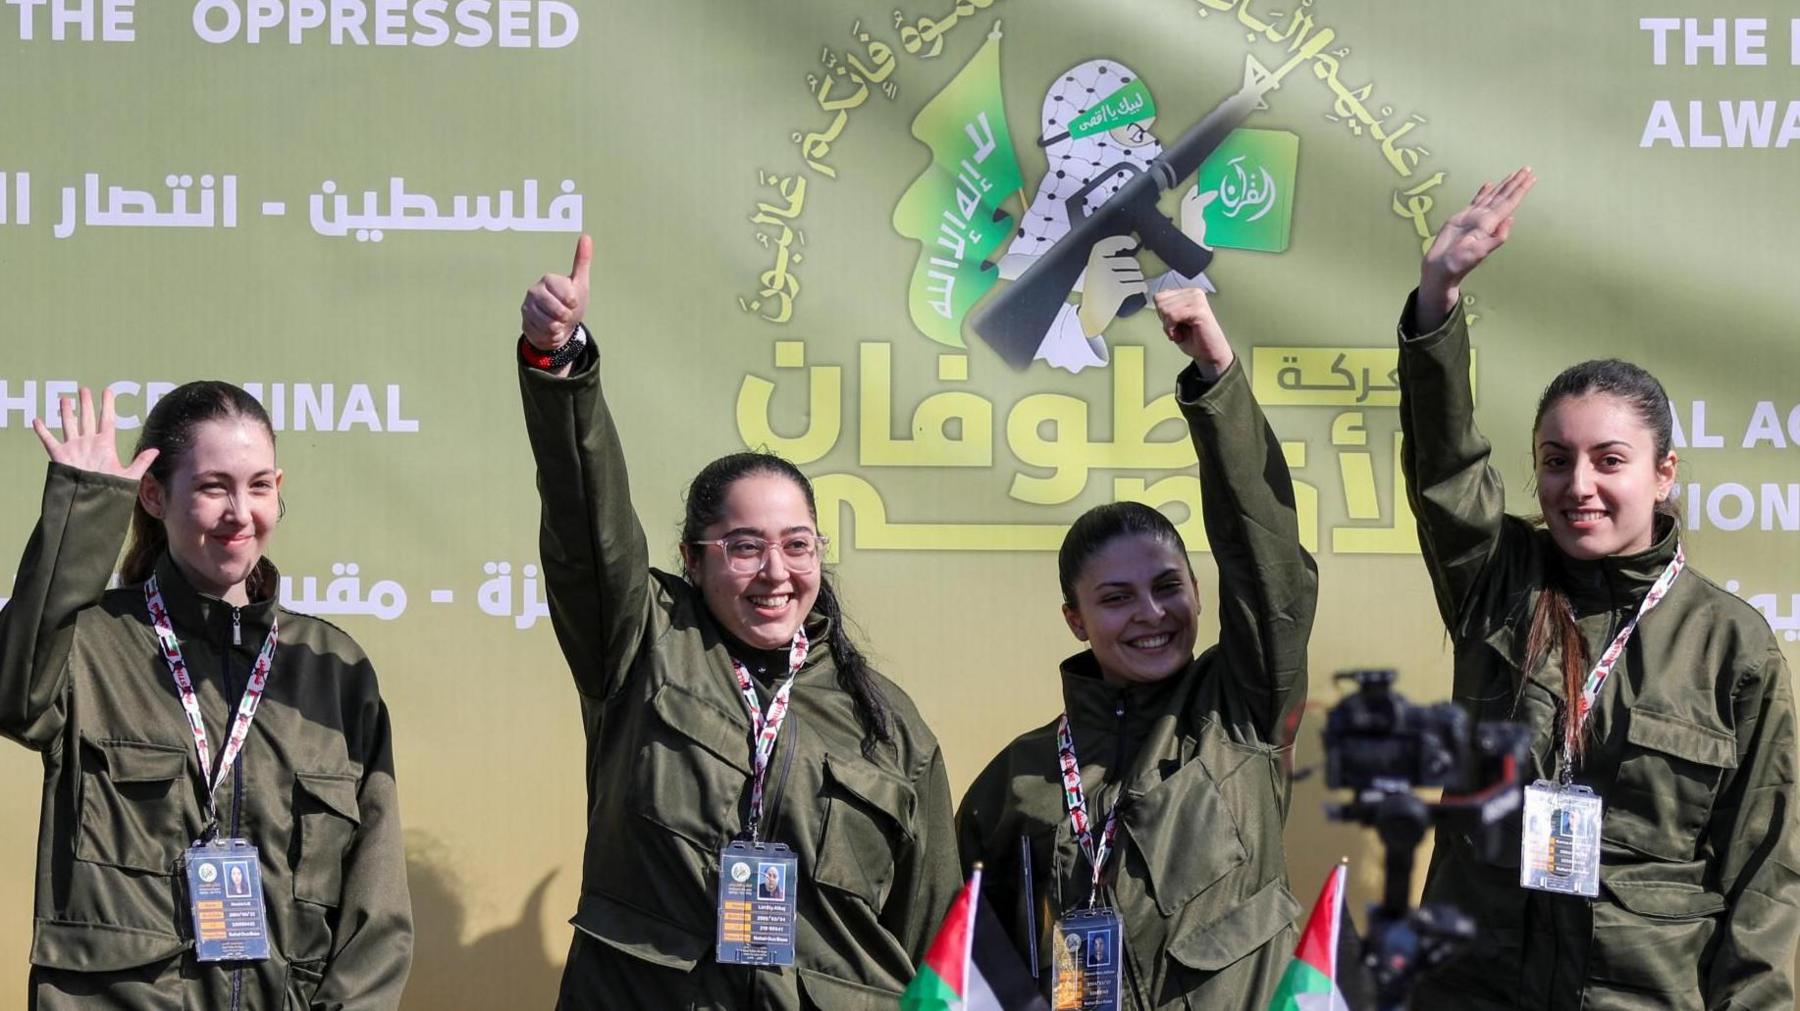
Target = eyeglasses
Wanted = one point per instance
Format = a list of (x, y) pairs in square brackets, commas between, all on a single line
[(747, 555)]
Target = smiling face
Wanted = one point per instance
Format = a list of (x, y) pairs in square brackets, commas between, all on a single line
[(762, 608), (219, 505), (1599, 477), (1135, 606)]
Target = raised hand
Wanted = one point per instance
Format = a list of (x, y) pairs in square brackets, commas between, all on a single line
[(1469, 237), (557, 302), (1188, 319), (89, 440)]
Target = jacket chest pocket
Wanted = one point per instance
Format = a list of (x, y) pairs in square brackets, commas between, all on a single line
[(693, 767), (1650, 941), (137, 810), (1669, 774), (325, 821), (867, 814), (1201, 951), (1186, 835)]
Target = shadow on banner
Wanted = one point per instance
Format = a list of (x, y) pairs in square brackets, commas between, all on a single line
[(502, 970)]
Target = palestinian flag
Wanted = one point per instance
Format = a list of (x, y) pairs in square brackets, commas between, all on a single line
[(1315, 979), (971, 966)]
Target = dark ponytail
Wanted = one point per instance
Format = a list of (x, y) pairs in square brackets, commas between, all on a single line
[(1553, 619), (169, 429), (706, 504), (1100, 526)]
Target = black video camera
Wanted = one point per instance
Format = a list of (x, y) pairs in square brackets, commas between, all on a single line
[(1379, 746), (1375, 737)]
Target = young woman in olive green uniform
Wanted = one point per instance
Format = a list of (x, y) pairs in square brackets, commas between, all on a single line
[(854, 785), (84, 680), (1688, 740), (1189, 751)]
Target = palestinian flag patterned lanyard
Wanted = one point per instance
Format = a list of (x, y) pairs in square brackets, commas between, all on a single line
[(1087, 950), (757, 911), (224, 875), (1560, 846)]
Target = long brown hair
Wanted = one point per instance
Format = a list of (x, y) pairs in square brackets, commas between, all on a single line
[(1553, 619), (169, 429)]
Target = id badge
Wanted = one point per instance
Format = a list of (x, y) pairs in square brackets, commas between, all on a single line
[(756, 904), (1561, 843), (1084, 968), (225, 893)]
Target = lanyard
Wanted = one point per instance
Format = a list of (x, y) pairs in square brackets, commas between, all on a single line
[(1584, 706), (1078, 813), (765, 727), (190, 704)]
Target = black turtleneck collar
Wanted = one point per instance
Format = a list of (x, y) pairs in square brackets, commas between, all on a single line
[(765, 665), (1604, 584)]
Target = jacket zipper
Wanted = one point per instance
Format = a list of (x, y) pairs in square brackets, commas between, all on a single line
[(237, 775), (1120, 773), (1118, 765), (1119, 741)]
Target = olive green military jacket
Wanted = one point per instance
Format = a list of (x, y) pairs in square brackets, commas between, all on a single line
[(1199, 875), (83, 682), (668, 766), (1691, 747)]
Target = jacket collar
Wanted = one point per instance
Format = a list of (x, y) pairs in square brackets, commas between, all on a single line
[(197, 612), (1092, 701), (1593, 585), (1616, 581), (718, 641)]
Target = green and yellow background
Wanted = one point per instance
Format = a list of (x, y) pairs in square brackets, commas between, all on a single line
[(675, 120)]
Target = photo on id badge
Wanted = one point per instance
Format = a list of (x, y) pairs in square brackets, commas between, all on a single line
[(1097, 954), (769, 881), (237, 880)]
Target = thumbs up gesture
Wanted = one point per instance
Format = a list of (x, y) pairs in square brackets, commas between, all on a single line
[(557, 302)]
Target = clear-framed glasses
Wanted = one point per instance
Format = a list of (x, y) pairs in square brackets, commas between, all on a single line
[(746, 555)]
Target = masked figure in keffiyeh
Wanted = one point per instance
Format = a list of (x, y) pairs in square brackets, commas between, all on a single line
[(1092, 167)]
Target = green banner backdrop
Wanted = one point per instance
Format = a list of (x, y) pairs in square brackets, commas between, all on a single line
[(800, 213)]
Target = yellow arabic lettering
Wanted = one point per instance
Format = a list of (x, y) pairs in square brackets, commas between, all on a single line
[(1312, 48), (816, 146), (1401, 536), (792, 189), (1178, 489), (1249, 21), (841, 105), (880, 53), (1067, 454), (1299, 26), (784, 311), (1322, 377), (915, 37), (932, 443), (824, 411), (1418, 206), (871, 529), (1134, 419), (1349, 103), (1356, 469), (1403, 159), (777, 277)]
